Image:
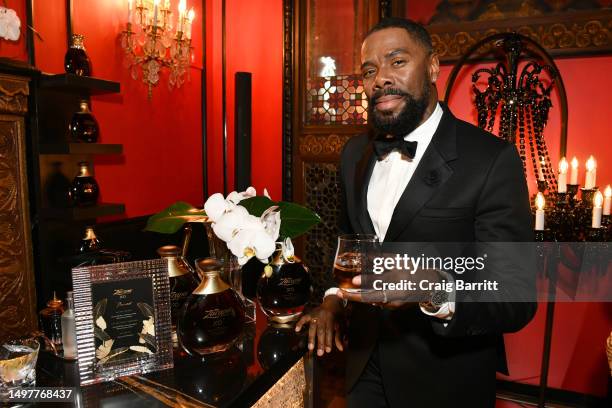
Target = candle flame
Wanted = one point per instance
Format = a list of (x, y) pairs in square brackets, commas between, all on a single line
[(191, 15), (591, 164), (156, 3), (563, 166), (598, 200), (574, 163), (540, 201), (608, 191), (182, 6)]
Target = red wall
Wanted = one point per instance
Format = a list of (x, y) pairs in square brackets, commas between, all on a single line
[(254, 43), (578, 361), (162, 160), (15, 49)]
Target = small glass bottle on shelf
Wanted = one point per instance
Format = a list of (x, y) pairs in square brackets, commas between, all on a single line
[(51, 320), (68, 328), (90, 242), (84, 126), (76, 60), (84, 191), (212, 317)]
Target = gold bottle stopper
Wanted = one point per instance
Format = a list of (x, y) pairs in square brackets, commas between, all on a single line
[(209, 269), (55, 302), (176, 266)]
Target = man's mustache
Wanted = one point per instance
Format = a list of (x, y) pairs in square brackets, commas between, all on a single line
[(385, 92)]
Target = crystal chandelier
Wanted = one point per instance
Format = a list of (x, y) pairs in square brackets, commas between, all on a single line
[(150, 43)]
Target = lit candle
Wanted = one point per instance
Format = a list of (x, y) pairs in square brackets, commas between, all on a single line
[(190, 17), (607, 200), (129, 11), (182, 7), (562, 184), (539, 218), (597, 201), (574, 173), (591, 167), (155, 10)]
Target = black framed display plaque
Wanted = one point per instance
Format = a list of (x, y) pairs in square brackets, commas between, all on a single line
[(122, 318)]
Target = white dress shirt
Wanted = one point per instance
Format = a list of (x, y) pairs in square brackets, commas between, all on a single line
[(389, 179)]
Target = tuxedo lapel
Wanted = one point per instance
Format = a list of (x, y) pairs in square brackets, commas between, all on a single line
[(363, 172), (431, 173)]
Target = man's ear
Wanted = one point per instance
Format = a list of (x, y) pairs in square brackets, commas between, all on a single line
[(434, 67)]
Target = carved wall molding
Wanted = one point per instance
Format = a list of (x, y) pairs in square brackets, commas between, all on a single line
[(17, 289), (288, 24), (586, 34), (13, 95), (312, 146)]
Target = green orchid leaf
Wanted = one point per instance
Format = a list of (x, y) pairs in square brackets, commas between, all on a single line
[(296, 219), (171, 219), (257, 205)]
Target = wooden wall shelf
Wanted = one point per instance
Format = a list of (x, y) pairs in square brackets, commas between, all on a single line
[(79, 84), (81, 148), (83, 213)]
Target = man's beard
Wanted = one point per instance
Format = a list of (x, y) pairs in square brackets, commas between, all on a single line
[(387, 123)]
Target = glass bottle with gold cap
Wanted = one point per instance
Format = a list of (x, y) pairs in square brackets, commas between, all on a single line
[(182, 281), (213, 316), (76, 60), (51, 320), (285, 286), (84, 127), (84, 191)]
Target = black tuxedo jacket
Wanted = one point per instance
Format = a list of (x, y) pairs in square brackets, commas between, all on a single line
[(469, 186)]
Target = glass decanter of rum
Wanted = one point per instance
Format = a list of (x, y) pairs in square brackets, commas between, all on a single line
[(213, 316)]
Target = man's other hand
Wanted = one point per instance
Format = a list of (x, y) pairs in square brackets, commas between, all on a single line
[(324, 325)]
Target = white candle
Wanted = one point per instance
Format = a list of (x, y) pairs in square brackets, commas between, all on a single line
[(182, 7), (597, 201), (562, 184), (574, 173), (591, 168), (539, 218), (155, 9), (190, 17), (129, 11), (607, 200)]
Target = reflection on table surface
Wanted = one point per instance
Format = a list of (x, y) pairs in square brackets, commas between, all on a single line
[(237, 377)]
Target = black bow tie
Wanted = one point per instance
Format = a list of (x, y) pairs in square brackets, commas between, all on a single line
[(383, 147)]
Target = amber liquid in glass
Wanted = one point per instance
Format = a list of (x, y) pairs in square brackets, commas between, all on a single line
[(346, 266)]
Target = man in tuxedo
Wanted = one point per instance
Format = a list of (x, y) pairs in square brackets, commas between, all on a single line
[(422, 175)]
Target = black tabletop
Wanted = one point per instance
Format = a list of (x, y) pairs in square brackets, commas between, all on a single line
[(237, 377)]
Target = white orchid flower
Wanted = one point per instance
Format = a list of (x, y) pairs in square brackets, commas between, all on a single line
[(288, 250), (10, 25), (231, 222), (216, 206), (252, 242), (235, 197), (272, 221)]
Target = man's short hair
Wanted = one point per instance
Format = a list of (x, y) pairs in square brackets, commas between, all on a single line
[(414, 29)]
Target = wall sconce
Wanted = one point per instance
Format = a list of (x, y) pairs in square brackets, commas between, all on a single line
[(150, 43)]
